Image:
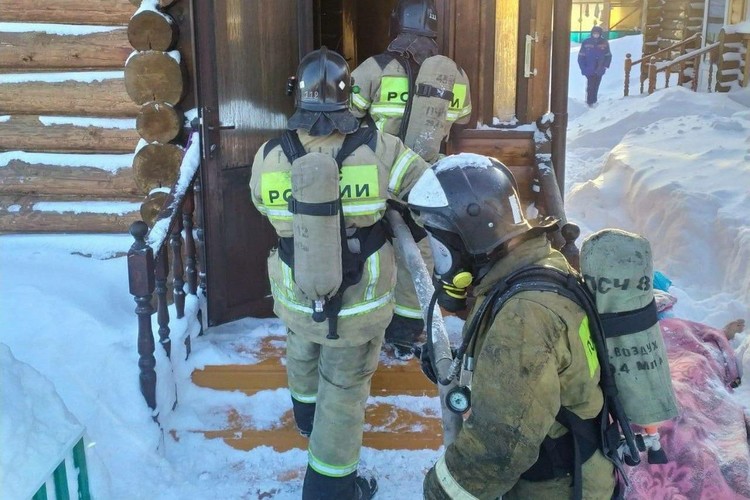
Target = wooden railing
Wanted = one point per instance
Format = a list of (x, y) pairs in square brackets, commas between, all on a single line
[(658, 56), (174, 238), (679, 65)]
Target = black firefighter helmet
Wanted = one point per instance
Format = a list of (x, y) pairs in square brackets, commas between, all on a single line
[(418, 17), (323, 87), (475, 198)]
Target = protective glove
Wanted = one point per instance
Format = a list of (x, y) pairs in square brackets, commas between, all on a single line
[(425, 362), (417, 231)]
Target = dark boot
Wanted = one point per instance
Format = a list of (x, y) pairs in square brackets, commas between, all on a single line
[(320, 487), (304, 414), (402, 333), (366, 487)]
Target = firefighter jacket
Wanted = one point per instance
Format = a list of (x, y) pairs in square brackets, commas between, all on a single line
[(531, 360), (372, 174), (384, 92)]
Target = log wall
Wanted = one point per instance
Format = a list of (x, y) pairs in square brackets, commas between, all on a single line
[(66, 116)]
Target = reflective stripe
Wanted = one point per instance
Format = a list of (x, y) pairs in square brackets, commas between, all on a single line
[(399, 169), (354, 310), (408, 312), (380, 123), (373, 269), (360, 102), (288, 280), (330, 470), (304, 398), (464, 112), (350, 209), (451, 487), (387, 109)]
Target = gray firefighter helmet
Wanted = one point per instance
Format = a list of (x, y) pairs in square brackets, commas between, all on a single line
[(418, 17), (322, 89), (474, 197)]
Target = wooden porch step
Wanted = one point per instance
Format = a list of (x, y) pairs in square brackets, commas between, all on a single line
[(389, 379), (387, 427)]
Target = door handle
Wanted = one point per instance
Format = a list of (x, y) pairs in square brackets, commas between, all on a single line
[(527, 71)]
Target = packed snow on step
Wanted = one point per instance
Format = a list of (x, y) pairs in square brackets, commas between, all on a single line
[(672, 165)]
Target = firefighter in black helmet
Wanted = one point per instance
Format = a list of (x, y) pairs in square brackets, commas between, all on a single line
[(330, 363), (530, 361), (413, 92)]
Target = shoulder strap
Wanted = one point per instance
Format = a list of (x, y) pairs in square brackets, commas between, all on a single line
[(270, 145), (352, 142), (291, 145), (411, 77)]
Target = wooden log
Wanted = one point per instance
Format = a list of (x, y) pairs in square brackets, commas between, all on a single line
[(158, 122), (24, 218), (137, 3), (68, 98), (154, 76), (39, 50), (151, 30), (156, 166), (152, 206), (29, 133), (100, 12), (21, 178)]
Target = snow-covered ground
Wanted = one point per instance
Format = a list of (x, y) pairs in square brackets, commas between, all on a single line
[(674, 166)]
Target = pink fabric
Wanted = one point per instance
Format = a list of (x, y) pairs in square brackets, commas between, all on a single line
[(707, 444)]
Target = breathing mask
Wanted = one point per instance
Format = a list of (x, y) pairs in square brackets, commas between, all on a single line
[(452, 275)]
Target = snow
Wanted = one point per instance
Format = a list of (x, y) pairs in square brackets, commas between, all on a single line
[(88, 207), (77, 76), (87, 121), (55, 29), (674, 166), (109, 162)]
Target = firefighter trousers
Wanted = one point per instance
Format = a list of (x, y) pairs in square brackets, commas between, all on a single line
[(337, 380)]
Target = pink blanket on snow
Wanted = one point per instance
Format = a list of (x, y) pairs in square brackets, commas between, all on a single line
[(707, 444)]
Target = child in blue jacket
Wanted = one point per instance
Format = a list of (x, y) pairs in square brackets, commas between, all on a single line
[(594, 59)]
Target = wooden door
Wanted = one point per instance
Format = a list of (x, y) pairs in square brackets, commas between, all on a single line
[(244, 53)]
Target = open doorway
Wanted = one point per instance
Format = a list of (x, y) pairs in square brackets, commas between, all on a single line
[(354, 29)]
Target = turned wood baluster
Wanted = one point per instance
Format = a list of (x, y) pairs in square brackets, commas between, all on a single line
[(666, 78), (188, 208), (200, 250), (141, 284), (628, 66), (178, 281), (570, 233), (652, 75), (162, 310)]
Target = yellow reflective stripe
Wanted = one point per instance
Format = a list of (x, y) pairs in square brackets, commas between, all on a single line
[(459, 97), (394, 89), (355, 310), (373, 269), (280, 214), (360, 102), (385, 107), (399, 170), (408, 312), (451, 487), (304, 398), (359, 182), (330, 470), (588, 346), (275, 188), (354, 209), (380, 122)]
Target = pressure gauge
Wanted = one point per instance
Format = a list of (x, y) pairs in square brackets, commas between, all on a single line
[(458, 400)]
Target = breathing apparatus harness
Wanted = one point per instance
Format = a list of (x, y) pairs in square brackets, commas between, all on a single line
[(585, 436), (369, 239)]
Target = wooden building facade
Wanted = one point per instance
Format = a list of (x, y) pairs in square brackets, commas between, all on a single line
[(131, 91)]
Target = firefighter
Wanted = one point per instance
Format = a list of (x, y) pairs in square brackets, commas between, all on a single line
[(335, 330), (534, 360), (418, 95)]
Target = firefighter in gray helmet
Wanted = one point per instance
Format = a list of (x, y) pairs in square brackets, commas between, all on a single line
[(323, 186), (413, 92), (531, 360)]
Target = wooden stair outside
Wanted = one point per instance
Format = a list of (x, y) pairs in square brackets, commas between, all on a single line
[(387, 426)]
